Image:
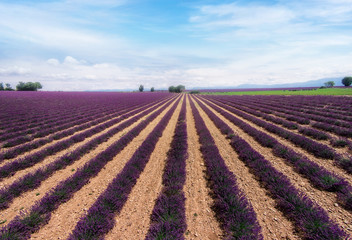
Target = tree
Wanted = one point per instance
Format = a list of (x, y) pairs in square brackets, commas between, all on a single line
[(180, 88), (172, 89), (347, 81), (141, 88), (8, 87), (38, 85), (329, 84), (2, 87), (177, 89), (28, 86), (152, 89)]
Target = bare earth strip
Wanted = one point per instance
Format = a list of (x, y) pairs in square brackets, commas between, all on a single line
[(326, 200), (326, 163), (134, 219), (343, 150), (200, 219), (52, 158), (274, 224), (64, 219), (26, 200)]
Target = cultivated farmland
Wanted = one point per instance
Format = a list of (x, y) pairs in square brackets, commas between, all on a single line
[(174, 166)]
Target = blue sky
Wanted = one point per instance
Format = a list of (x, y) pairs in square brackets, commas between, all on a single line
[(119, 44)]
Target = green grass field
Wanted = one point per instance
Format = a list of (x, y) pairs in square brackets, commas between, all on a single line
[(319, 91)]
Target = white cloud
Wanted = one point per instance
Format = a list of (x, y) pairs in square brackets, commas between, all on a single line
[(71, 61), (233, 15), (14, 71), (53, 61)]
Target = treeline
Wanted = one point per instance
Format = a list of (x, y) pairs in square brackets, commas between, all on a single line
[(178, 89), (22, 86)]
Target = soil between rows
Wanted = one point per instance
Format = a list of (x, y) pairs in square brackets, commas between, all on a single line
[(326, 163), (26, 200), (326, 200), (134, 219), (7, 181), (273, 223), (64, 219), (200, 219)]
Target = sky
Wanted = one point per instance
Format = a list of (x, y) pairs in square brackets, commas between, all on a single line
[(78, 45)]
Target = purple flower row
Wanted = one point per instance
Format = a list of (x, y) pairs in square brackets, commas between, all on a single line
[(59, 125), (331, 105), (32, 107), (311, 132), (12, 153), (31, 128), (309, 218), (28, 161), (45, 111), (318, 176), (236, 215), (53, 126), (294, 114), (317, 149), (27, 223), (168, 220), (32, 180), (46, 130), (100, 218)]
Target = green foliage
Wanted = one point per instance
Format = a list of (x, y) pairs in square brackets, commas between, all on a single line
[(194, 92), (2, 87), (8, 87), (152, 89), (28, 86), (347, 81), (141, 88), (329, 84), (178, 89)]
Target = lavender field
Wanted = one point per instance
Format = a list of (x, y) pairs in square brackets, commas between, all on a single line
[(79, 165)]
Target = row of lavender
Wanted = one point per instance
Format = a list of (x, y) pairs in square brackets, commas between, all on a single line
[(14, 152), (27, 131), (31, 159), (25, 224), (33, 180), (231, 206), (300, 115), (315, 148), (24, 107), (310, 219), (327, 102), (168, 219), (290, 121), (320, 177)]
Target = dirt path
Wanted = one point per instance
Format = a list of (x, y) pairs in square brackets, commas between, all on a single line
[(274, 224), (64, 219), (200, 219), (326, 200), (134, 218), (26, 200)]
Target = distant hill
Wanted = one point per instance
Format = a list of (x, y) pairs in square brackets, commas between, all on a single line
[(312, 83)]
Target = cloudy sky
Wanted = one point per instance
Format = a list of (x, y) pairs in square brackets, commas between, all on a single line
[(120, 44)]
